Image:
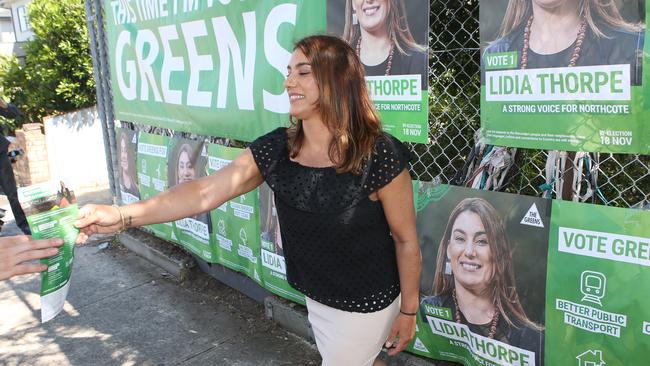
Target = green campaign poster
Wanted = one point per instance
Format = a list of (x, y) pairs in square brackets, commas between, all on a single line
[(187, 162), (483, 276), (236, 223), (152, 174), (572, 79), (218, 67), (599, 284), (51, 211), (208, 67), (397, 67), (274, 270), (127, 143)]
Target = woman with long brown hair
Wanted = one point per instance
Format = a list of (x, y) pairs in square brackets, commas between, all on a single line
[(127, 177), (561, 33), (475, 278), (344, 201), (380, 33)]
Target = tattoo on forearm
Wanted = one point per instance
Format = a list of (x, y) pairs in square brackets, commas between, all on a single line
[(129, 221)]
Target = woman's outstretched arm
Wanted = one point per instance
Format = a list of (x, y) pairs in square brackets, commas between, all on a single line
[(183, 200)]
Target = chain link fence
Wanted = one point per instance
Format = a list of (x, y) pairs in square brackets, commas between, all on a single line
[(623, 180)]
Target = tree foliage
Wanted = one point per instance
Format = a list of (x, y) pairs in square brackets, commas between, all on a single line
[(57, 74)]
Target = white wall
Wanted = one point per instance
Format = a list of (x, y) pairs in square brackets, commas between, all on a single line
[(75, 148), (21, 34), (7, 36)]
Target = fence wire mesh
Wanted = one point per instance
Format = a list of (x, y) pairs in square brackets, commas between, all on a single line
[(454, 118)]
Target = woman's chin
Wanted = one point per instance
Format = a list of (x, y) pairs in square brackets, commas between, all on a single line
[(549, 4), (472, 283)]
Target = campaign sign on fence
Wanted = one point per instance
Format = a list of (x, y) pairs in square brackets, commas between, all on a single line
[(187, 161), (274, 270), (397, 67), (218, 67), (483, 276), (152, 174), (235, 224), (127, 142), (208, 67), (599, 262), (581, 86)]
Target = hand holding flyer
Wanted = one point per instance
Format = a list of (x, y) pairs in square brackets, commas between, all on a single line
[(16, 251), (51, 211)]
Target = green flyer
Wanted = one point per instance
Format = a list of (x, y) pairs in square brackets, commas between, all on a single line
[(152, 174), (575, 79), (274, 270), (187, 162), (51, 211), (236, 223), (127, 144), (483, 276), (599, 264)]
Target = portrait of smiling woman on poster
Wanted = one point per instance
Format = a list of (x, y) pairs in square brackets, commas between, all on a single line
[(380, 33), (186, 166), (475, 279)]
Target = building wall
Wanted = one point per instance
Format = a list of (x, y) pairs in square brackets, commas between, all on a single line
[(20, 20), (7, 36), (75, 146)]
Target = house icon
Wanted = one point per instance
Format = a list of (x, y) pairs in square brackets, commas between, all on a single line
[(591, 358)]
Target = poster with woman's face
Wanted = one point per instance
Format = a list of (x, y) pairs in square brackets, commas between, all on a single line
[(127, 142), (564, 74), (274, 269), (187, 163), (483, 275), (391, 39), (236, 223)]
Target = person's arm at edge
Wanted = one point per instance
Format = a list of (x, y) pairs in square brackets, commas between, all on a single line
[(184, 200), (397, 200), (16, 250)]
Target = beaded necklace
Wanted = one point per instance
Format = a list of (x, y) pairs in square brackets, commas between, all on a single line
[(390, 55), (582, 31), (493, 322)]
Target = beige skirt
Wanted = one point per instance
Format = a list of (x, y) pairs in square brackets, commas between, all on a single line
[(347, 338)]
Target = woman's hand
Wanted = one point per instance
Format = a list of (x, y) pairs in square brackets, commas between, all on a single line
[(97, 219), (401, 333), (15, 250)]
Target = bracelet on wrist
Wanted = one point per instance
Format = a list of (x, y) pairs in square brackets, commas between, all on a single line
[(123, 227), (407, 313)]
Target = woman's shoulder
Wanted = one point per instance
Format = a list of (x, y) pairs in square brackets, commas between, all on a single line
[(526, 336), (268, 149), (437, 300), (623, 38), (504, 43), (389, 149), (389, 158)]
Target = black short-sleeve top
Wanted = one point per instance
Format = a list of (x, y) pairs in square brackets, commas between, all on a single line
[(337, 244)]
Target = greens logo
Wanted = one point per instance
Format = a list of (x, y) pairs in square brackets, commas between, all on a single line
[(532, 217)]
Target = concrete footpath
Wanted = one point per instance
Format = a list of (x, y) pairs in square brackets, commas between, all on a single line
[(123, 309)]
